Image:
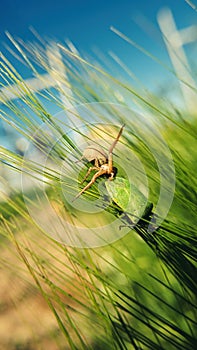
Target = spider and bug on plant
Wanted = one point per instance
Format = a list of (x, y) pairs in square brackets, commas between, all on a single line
[(124, 194), (102, 163)]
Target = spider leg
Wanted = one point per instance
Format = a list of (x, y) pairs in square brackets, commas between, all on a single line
[(116, 140), (99, 173), (110, 155), (88, 173), (110, 163)]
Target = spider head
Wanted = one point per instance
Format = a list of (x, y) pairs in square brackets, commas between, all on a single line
[(113, 173), (108, 172)]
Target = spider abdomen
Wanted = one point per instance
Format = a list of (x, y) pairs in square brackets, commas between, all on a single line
[(95, 153)]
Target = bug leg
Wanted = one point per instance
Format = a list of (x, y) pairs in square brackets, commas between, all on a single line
[(99, 173), (88, 173)]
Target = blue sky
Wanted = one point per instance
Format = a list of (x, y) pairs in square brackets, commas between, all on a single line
[(87, 24), (84, 22)]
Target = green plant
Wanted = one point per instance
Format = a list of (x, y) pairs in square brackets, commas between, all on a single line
[(135, 292)]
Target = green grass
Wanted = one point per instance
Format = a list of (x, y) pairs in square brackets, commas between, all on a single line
[(138, 292)]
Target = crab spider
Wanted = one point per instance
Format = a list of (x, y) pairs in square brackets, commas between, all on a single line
[(102, 163)]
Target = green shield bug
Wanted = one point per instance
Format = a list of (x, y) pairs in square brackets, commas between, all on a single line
[(129, 199)]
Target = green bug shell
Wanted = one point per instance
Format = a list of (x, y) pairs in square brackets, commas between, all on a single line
[(128, 198)]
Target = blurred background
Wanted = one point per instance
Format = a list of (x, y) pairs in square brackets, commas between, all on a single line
[(94, 27), (149, 48)]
